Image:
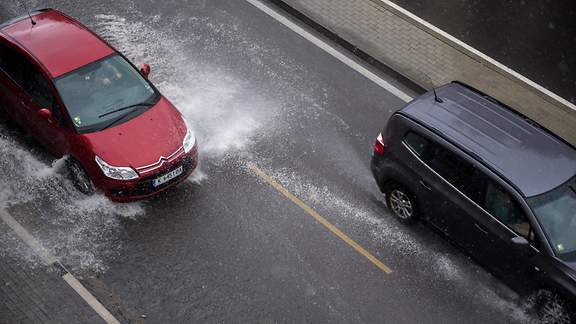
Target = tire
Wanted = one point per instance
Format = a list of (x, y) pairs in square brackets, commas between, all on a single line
[(79, 178), (401, 203), (550, 308)]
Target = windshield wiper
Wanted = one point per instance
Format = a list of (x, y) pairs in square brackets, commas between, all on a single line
[(123, 116), (142, 104), (114, 121)]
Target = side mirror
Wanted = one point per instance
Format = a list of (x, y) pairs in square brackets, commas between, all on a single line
[(46, 114), (145, 70), (520, 241)]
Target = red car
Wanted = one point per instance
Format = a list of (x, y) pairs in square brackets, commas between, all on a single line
[(81, 98)]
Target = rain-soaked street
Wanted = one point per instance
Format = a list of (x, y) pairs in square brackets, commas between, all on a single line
[(226, 246)]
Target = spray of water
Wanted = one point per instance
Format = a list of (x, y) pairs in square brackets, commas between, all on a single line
[(225, 112), (77, 228), (390, 235)]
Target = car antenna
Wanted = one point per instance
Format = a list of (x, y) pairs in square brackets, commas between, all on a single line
[(436, 98), (30, 16)]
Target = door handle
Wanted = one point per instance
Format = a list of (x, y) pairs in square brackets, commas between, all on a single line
[(425, 185), (481, 228)]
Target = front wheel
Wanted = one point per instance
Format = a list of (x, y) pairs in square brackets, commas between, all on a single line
[(79, 178), (402, 203), (551, 308)]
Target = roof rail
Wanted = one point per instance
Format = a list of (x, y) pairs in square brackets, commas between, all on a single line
[(516, 112)]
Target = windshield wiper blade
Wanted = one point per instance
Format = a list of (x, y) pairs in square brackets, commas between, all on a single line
[(142, 104), (114, 121)]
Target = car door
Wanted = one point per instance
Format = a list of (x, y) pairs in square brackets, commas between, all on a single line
[(448, 185), (416, 148), (442, 176), (12, 96), (31, 91), (499, 218), (41, 95)]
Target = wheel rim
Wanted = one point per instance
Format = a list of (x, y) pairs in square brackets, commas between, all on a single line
[(401, 204)]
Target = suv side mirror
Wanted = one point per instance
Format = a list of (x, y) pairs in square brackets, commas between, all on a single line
[(520, 241), (46, 114), (145, 70)]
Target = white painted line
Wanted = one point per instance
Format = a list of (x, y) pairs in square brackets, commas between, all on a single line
[(471, 51), (90, 299), (49, 259), (25, 236), (332, 51)]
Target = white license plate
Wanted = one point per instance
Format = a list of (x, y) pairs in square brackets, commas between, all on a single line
[(167, 177)]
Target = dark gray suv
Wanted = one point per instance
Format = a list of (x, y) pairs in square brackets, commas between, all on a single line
[(494, 182)]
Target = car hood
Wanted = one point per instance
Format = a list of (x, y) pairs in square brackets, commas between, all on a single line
[(143, 140)]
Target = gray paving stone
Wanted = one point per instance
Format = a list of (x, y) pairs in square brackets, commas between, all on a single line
[(38, 295)]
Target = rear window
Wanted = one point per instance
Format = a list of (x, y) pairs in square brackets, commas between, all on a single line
[(446, 163)]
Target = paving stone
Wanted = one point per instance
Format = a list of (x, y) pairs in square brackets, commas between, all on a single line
[(35, 294)]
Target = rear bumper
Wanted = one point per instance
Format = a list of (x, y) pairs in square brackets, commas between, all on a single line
[(379, 172), (143, 188)]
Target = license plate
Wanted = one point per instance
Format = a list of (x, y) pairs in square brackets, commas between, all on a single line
[(167, 177)]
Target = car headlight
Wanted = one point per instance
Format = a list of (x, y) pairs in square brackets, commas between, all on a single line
[(189, 139), (118, 173)]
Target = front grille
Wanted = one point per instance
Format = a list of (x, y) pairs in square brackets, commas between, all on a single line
[(150, 168), (145, 187)]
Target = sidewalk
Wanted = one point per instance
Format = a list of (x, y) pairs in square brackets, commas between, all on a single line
[(429, 57), (39, 295)]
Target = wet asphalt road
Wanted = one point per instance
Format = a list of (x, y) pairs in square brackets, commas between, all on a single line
[(227, 247)]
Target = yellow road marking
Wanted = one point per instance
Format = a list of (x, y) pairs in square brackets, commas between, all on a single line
[(319, 218)]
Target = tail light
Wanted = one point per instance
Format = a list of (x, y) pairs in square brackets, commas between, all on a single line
[(379, 146)]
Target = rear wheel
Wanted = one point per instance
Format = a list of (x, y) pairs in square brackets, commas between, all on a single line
[(79, 178), (402, 203)]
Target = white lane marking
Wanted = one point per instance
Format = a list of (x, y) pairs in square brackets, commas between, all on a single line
[(49, 259), (463, 47), (25, 236), (332, 51), (90, 299)]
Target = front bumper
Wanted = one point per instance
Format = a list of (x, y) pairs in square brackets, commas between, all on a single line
[(141, 188)]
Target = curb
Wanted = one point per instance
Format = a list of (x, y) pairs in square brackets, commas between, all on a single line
[(410, 84)]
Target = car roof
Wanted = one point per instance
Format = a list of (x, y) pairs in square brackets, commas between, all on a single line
[(57, 41), (529, 157)]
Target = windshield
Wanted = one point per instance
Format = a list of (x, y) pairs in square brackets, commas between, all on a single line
[(104, 93), (556, 212)]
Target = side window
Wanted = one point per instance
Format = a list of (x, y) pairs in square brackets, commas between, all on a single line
[(502, 205), (417, 143), (37, 87), (26, 75), (451, 167), (10, 63), (448, 165)]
